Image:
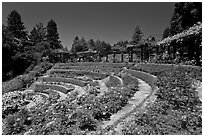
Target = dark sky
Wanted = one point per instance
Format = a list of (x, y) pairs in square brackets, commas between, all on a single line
[(110, 22)]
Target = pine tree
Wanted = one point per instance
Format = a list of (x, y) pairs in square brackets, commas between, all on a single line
[(52, 35), (137, 36), (38, 33), (16, 26)]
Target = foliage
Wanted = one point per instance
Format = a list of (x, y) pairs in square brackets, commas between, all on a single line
[(16, 26), (38, 33), (79, 45), (177, 109), (186, 14), (137, 35), (22, 81), (52, 35), (194, 30)]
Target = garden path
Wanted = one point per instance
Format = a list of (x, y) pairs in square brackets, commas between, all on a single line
[(103, 87), (136, 101), (199, 90)]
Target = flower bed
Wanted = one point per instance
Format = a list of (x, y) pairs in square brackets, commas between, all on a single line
[(22, 81), (68, 116), (156, 69), (177, 109), (74, 73), (105, 70), (42, 87)]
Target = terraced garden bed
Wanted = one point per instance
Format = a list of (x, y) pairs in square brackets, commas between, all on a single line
[(176, 109)]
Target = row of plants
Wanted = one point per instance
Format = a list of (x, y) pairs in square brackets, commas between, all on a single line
[(75, 74), (25, 80), (67, 85), (155, 69), (177, 109), (95, 64), (42, 87), (59, 78), (196, 29), (74, 115), (104, 70)]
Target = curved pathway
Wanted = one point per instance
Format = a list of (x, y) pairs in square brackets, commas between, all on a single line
[(145, 91)]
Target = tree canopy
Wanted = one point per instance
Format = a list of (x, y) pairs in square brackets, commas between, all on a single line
[(52, 35), (137, 35), (38, 33), (16, 26)]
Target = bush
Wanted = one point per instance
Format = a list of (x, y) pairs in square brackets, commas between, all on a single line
[(25, 80)]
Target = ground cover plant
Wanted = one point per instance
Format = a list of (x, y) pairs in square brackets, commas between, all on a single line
[(177, 109), (80, 116)]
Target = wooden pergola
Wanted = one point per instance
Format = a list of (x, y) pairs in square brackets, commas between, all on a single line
[(187, 44), (59, 56), (88, 55), (129, 49)]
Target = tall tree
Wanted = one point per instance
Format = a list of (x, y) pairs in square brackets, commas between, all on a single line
[(137, 35), (52, 35), (8, 51), (16, 26), (79, 45), (185, 15), (91, 44), (38, 33)]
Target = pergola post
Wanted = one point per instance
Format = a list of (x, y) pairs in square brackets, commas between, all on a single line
[(121, 57), (107, 58), (113, 57)]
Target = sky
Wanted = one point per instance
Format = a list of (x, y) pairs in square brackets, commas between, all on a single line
[(110, 22)]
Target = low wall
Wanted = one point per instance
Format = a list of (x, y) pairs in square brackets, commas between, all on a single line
[(65, 80), (42, 87), (150, 79)]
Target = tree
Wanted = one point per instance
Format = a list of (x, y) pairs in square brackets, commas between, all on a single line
[(102, 47), (52, 35), (79, 45), (8, 51), (16, 26), (175, 25), (166, 33), (91, 44), (137, 35), (38, 33), (185, 15)]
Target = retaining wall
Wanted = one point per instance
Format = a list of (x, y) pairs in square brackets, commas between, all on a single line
[(150, 79)]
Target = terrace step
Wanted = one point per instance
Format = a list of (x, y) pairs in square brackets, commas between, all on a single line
[(103, 87), (136, 101)]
